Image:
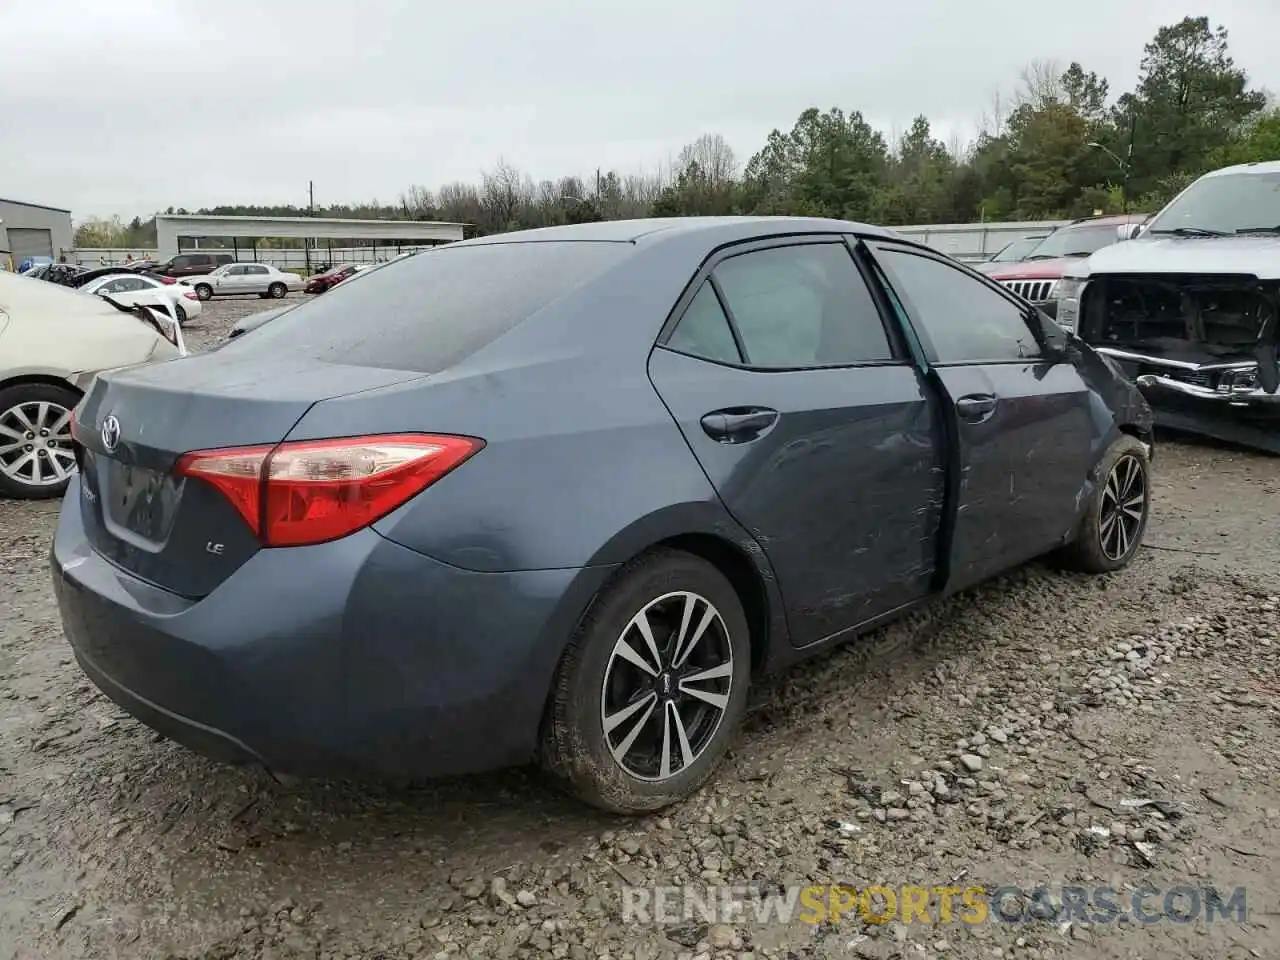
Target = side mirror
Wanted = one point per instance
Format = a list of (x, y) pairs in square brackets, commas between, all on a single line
[(1127, 231)]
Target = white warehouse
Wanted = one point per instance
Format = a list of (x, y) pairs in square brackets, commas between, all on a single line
[(33, 230)]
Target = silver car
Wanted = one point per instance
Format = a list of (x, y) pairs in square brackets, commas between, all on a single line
[(238, 279)]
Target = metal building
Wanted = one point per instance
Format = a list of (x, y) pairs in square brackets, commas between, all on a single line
[(33, 230)]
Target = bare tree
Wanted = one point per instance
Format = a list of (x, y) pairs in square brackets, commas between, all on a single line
[(994, 119), (504, 190), (714, 157), (459, 203), (418, 203), (1041, 84)]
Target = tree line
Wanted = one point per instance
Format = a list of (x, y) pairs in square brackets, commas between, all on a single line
[(1061, 146)]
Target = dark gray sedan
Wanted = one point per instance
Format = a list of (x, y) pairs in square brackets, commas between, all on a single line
[(563, 494)]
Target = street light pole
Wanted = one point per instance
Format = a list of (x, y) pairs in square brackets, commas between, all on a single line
[(1124, 169)]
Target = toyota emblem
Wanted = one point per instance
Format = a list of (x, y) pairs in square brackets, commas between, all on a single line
[(110, 433)]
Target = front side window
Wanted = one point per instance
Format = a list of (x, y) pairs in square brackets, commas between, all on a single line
[(964, 319), (180, 262), (802, 306)]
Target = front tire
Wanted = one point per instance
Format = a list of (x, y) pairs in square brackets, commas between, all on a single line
[(37, 458), (204, 291), (277, 291), (652, 687), (1117, 512)]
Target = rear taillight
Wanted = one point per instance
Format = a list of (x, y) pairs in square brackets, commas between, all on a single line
[(190, 295), (166, 279), (310, 491)]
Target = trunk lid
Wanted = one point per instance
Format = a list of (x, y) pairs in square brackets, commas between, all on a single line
[(177, 533)]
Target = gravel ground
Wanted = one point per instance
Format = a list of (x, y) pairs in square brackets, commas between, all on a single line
[(989, 739)]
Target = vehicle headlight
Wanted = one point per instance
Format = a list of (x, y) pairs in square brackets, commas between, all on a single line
[(1068, 296)]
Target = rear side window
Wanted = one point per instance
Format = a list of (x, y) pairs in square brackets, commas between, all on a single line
[(430, 312), (704, 330), (802, 306)]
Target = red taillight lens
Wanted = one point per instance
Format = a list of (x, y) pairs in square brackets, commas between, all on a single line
[(311, 491), (190, 295), (166, 279)]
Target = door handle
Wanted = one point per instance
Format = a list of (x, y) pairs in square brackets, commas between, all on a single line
[(738, 424), (976, 407)]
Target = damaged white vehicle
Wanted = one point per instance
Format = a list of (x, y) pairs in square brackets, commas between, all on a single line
[(53, 342), (1190, 306)]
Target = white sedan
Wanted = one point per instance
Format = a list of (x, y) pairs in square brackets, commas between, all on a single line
[(53, 342), (132, 289), (237, 279)]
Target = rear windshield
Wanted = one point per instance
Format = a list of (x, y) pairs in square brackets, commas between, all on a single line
[(429, 312)]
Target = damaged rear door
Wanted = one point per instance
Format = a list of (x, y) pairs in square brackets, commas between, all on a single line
[(819, 436), (1025, 428)]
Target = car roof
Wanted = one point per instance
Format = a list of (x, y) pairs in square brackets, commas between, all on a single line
[(121, 275), (716, 230), (1260, 166)]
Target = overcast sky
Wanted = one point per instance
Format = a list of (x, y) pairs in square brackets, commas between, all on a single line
[(129, 106)]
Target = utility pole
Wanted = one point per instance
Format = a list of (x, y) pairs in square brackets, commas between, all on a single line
[(1128, 163), (311, 212)]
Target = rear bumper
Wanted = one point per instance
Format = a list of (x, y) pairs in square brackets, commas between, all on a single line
[(354, 658)]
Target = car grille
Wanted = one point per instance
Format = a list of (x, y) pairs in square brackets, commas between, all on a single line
[(1037, 291)]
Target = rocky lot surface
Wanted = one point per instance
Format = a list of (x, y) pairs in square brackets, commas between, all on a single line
[(1046, 729)]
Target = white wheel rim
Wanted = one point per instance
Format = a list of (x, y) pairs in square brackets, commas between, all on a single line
[(35, 444)]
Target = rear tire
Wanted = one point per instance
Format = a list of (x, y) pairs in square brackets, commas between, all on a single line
[(610, 722), (1117, 511), (182, 315), (204, 291), (35, 434), (278, 291)]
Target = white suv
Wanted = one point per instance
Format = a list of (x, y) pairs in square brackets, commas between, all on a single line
[(1189, 306)]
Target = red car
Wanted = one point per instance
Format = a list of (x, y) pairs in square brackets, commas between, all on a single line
[(1036, 276), (334, 275)]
